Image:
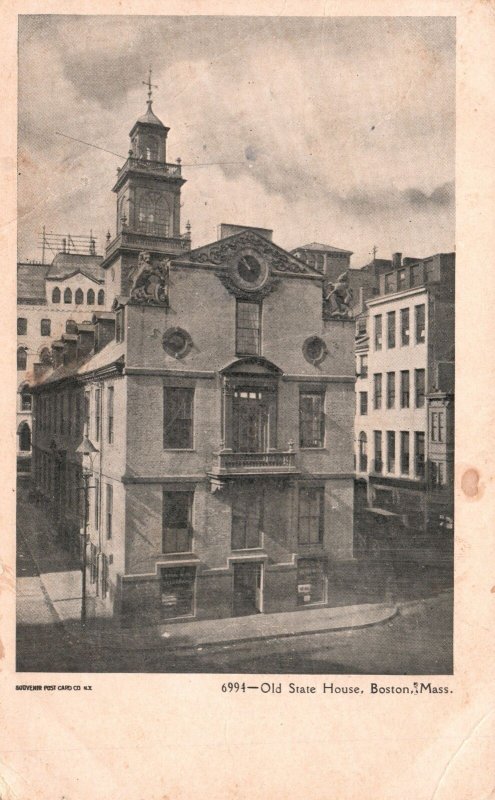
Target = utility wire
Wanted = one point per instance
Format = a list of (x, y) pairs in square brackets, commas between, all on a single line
[(124, 158)]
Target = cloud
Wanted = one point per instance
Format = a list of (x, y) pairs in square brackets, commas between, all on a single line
[(342, 128)]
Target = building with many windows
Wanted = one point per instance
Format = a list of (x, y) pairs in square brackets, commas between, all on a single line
[(404, 397), (51, 300), (219, 398)]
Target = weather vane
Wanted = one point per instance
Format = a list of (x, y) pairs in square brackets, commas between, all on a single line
[(150, 85)]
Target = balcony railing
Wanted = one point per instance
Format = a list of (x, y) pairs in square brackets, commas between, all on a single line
[(173, 244), (147, 165), (229, 463)]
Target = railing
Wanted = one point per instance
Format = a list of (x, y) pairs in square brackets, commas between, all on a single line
[(177, 244), (228, 462), (172, 170)]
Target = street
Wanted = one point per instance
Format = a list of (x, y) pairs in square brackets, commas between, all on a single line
[(418, 640)]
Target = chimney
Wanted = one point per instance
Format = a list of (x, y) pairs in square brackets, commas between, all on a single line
[(39, 370), (396, 260), (70, 349), (104, 323), (57, 353), (85, 340)]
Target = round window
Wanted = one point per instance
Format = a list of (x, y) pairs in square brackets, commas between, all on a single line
[(314, 350), (176, 342)]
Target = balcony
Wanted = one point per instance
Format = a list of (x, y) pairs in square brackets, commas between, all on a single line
[(141, 241), (273, 463)]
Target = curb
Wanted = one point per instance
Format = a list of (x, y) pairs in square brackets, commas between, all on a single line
[(393, 612)]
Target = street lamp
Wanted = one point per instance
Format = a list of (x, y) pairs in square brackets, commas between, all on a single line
[(88, 452)]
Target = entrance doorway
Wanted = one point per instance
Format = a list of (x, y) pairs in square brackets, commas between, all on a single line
[(248, 588)]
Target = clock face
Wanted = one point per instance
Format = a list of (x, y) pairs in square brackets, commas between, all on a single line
[(250, 273)]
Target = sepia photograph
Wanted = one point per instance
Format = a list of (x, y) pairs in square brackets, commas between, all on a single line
[(235, 345)]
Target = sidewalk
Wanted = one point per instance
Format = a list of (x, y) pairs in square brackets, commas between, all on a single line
[(210, 632), (62, 584)]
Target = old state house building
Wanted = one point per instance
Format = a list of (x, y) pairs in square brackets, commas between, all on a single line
[(219, 397)]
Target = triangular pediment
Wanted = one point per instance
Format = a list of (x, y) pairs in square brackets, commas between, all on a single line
[(224, 251)]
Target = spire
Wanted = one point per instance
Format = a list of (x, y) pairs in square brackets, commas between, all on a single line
[(150, 86), (150, 118)]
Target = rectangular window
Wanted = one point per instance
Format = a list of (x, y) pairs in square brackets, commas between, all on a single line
[(377, 435), (404, 452), (390, 451), (419, 454), (378, 390), (363, 403), (177, 592), (390, 389), (177, 522), (434, 426), (404, 389), (178, 418), (110, 413), (119, 325), (248, 328), (97, 503), (420, 323), (441, 427), (404, 327), (419, 387), (46, 327), (86, 412), (246, 518), (363, 366), (310, 519), (391, 329), (378, 332), (437, 474), (97, 414), (22, 326), (311, 419), (401, 279), (109, 509)]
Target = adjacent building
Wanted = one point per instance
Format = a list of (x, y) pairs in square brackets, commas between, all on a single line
[(219, 398), (404, 429), (51, 300)]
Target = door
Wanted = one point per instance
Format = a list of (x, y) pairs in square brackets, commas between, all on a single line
[(250, 421), (248, 588)]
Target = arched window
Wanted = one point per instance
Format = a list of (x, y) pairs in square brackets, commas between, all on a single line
[(79, 297), (101, 298), (24, 432), (45, 357), (152, 214), (25, 399), (150, 148), (67, 296), (56, 295), (21, 358), (91, 297), (363, 452), (71, 326)]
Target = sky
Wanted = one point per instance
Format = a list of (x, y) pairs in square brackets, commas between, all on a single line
[(342, 129)]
